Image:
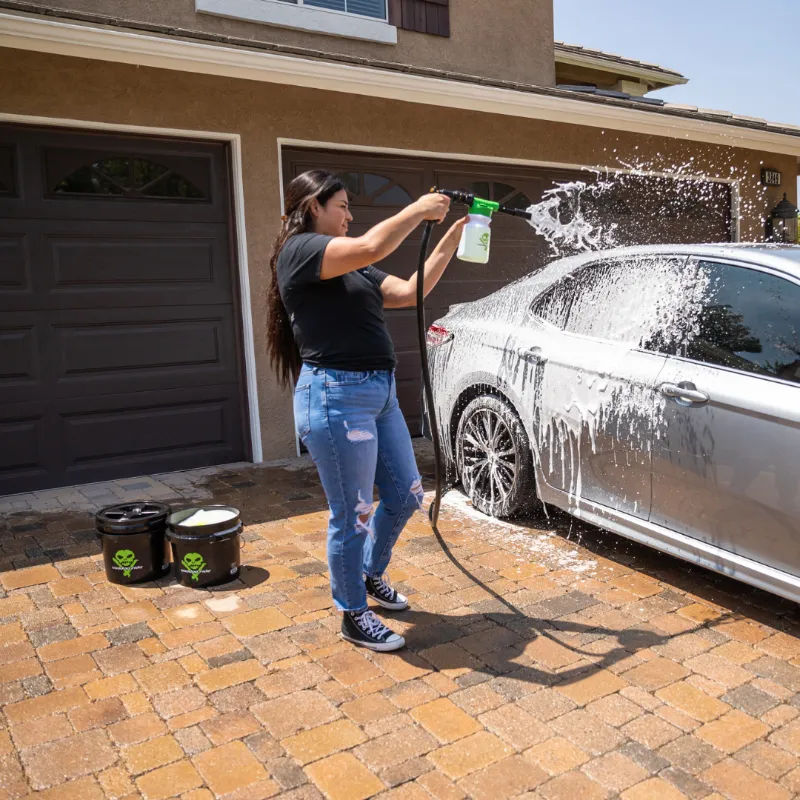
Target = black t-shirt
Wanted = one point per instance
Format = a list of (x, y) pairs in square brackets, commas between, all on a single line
[(337, 323)]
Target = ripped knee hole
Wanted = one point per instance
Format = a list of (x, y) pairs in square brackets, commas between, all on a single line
[(418, 492)]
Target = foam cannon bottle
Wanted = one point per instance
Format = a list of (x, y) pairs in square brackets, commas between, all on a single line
[(476, 237)]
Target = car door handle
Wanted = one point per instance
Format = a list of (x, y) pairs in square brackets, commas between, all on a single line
[(684, 391), (533, 354)]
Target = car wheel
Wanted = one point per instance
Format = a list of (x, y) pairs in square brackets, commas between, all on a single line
[(493, 458)]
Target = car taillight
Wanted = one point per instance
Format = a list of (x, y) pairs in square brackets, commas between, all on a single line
[(438, 335)]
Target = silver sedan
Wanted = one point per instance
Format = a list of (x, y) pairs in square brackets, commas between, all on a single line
[(652, 391)]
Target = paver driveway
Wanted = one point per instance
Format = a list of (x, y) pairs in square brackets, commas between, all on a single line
[(566, 664)]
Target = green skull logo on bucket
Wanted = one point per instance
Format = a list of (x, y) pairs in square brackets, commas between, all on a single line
[(194, 564), (126, 561)]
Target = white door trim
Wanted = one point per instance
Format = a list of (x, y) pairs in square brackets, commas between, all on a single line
[(237, 186)]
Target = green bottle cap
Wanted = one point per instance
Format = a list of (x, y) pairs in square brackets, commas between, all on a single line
[(483, 207)]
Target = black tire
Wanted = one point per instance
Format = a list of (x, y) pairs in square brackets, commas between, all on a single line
[(494, 459)]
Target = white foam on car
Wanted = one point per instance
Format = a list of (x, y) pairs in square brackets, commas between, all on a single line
[(584, 404), (569, 409)]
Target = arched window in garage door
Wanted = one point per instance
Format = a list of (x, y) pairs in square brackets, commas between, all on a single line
[(371, 189), (129, 177)]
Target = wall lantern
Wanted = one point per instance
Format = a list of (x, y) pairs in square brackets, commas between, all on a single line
[(782, 223)]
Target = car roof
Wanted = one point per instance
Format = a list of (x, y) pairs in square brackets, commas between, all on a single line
[(782, 257)]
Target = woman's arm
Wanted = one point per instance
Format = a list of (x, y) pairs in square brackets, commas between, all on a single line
[(398, 293), (343, 254)]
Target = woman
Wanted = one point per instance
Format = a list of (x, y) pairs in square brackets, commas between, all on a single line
[(327, 332)]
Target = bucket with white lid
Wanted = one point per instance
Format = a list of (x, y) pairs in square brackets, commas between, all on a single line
[(206, 545)]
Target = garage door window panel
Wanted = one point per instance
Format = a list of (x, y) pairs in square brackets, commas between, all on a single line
[(131, 178), (134, 176), (371, 189)]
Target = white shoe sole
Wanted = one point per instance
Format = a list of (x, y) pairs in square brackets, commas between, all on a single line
[(385, 647), (387, 604)]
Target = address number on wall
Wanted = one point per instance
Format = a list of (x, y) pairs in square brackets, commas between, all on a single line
[(771, 177)]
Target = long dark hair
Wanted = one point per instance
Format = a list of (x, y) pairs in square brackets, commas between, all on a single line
[(316, 184)]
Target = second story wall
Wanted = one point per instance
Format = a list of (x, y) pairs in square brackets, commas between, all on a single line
[(500, 39)]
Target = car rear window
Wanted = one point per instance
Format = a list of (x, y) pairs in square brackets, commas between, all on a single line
[(553, 305)]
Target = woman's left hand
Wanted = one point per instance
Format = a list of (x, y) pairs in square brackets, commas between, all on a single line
[(450, 240), (398, 293)]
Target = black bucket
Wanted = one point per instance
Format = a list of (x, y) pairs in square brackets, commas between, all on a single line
[(132, 537), (205, 553)]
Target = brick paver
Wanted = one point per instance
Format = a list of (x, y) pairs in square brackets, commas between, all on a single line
[(566, 664)]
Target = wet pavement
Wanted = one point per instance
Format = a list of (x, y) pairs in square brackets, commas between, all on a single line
[(546, 659)]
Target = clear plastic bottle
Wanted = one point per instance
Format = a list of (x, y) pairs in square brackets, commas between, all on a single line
[(476, 238)]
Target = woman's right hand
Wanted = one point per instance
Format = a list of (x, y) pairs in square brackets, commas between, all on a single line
[(433, 206)]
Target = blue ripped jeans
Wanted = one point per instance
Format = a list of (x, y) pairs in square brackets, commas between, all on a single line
[(352, 425)]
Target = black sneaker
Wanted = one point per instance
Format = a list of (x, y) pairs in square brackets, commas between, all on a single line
[(381, 592), (365, 629)]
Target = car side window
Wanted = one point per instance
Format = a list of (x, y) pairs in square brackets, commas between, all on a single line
[(748, 320), (553, 305), (638, 301)]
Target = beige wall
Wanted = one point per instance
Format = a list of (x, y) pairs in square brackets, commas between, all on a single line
[(502, 39), (55, 86)]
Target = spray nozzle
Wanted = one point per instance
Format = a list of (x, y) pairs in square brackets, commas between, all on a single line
[(516, 212), (479, 206)]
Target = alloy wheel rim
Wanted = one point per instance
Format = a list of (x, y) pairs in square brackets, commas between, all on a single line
[(488, 457)]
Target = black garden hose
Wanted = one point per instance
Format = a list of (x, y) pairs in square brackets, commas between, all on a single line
[(433, 510)]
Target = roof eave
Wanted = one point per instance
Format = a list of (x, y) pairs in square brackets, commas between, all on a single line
[(44, 34), (655, 77)]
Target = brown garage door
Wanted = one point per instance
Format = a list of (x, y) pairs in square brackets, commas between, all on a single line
[(646, 211), (119, 346)]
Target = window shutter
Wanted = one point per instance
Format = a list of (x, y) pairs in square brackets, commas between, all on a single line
[(423, 16)]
